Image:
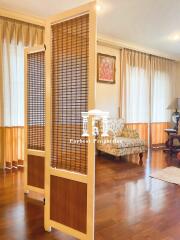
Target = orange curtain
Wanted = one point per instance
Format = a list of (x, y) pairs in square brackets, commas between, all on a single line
[(12, 149)]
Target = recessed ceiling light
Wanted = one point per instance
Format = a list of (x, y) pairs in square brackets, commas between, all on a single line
[(98, 7), (175, 37)]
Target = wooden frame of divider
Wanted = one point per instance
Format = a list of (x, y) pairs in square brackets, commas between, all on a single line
[(88, 179), (31, 152)]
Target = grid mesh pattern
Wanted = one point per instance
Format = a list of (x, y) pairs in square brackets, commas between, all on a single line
[(36, 100), (70, 54)]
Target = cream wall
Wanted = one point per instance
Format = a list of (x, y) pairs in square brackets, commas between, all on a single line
[(108, 95)]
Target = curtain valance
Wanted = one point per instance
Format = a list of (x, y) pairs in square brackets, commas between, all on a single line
[(18, 31)]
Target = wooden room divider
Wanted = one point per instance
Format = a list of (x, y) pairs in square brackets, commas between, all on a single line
[(65, 172), (34, 164), (70, 89)]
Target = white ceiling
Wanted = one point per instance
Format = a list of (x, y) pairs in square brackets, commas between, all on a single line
[(149, 24)]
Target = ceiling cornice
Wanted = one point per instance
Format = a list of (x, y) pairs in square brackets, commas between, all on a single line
[(22, 17), (102, 39), (116, 43)]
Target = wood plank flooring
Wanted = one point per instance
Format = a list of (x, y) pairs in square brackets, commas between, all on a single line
[(129, 204)]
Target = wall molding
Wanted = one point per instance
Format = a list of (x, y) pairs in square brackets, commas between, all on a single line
[(102, 39), (22, 17), (118, 44)]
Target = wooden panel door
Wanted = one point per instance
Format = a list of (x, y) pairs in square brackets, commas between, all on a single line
[(70, 90), (34, 94)]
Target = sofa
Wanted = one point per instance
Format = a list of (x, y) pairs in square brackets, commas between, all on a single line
[(120, 140)]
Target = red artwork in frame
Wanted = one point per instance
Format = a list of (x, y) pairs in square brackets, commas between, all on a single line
[(106, 68)]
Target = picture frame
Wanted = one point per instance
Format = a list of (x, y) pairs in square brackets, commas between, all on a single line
[(106, 68)]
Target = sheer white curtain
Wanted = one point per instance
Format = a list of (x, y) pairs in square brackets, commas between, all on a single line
[(163, 74), (13, 84), (135, 86), (14, 37), (147, 88)]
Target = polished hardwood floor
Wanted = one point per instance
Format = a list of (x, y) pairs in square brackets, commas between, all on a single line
[(129, 204)]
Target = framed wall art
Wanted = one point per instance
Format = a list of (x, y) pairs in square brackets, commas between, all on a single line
[(106, 68)]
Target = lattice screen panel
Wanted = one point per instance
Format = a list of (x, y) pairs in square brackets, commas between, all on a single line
[(36, 100), (70, 53)]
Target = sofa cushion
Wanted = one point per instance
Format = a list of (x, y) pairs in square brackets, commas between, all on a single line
[(129, 133), (115, 126), (122, 142)]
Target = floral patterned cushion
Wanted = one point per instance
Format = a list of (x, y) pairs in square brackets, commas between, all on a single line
[(115, 127), (107, 148), (123, 142), (129, 133)]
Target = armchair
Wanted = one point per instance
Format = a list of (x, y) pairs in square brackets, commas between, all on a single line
[(120, 140)]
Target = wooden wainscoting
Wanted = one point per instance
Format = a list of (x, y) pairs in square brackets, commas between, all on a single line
[(158, 136), (142, 129), (11, 146)]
